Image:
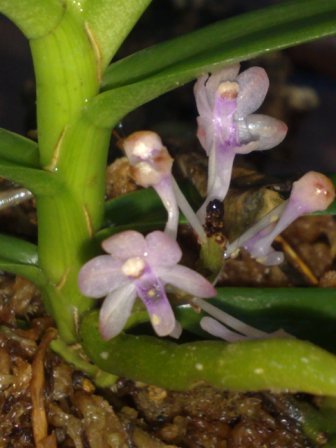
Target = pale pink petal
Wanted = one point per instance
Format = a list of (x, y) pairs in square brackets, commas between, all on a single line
[(253, 86), (162, 250), (268, 130), (100, 276), (187, 280), (125, 245), (115, 311)]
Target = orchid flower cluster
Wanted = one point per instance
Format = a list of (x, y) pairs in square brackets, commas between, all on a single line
[(139, 266)]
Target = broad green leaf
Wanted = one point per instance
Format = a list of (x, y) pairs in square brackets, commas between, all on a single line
[(35, 18), (39, 182), (18, 149), (109, 22), (109, 107), (18, 250), (237, 38)]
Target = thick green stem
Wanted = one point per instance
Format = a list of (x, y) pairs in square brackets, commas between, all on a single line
[(75, 151), (66, 77)]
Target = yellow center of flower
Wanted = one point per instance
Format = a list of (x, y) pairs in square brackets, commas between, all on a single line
[(133, 267)]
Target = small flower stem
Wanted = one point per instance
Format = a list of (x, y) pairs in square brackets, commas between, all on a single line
[(189, 213), (165, 190), (229, 320), (268, 219)]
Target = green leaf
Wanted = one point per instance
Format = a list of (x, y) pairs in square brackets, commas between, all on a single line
[(234, 39), (39, 182), (142, 205), (109, 22), (32, 273), (307, 313), (18, 250), (18, 149), (35, 18), (20, 257)]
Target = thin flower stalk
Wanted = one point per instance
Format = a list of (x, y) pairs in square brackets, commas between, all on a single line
[(312, 192)]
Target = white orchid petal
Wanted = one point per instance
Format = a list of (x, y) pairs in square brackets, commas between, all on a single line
[(115, 311), (268, 131), (100, 276), (253, 86)]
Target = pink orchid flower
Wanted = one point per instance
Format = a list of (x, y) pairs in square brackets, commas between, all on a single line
[(227, 126), (139, 266)]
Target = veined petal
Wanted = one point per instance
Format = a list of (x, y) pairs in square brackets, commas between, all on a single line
[(100, 276), (253, 86), (151, 291), (162, 250), (268, 130), (187, 280), (125, 245), (115, 311)]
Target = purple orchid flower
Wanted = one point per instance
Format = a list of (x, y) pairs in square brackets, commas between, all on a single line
[(139, 266), (152, 167), (312, 192), (227, 126)]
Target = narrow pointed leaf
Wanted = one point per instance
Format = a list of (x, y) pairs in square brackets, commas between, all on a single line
[(306, 313), (18, 250), (32, 273), (39, 182), (18, 149), (240, 37)]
